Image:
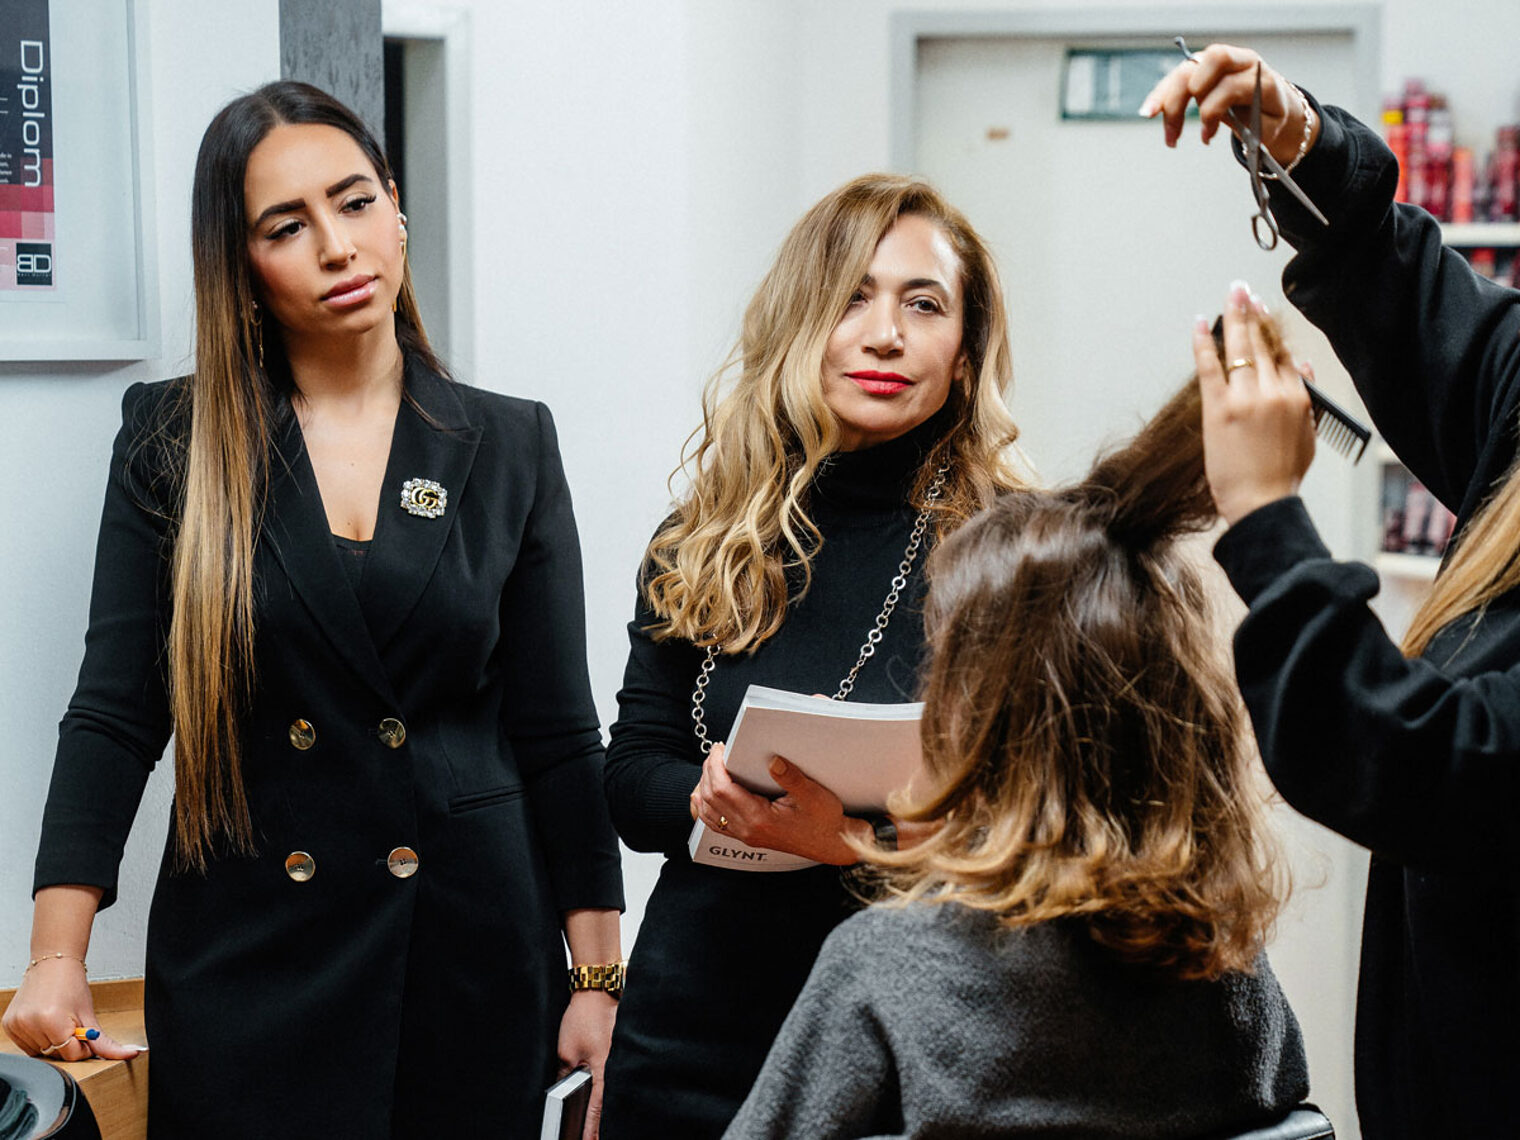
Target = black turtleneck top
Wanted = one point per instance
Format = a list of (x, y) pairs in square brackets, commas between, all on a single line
[(722, 954), (859, 502)]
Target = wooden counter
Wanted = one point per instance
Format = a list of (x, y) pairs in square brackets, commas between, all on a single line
[(117, 1090)]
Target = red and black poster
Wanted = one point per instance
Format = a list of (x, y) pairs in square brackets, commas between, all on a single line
[(26, 149)]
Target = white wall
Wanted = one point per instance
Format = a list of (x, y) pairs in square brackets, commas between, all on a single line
[(632, 176), (56, 427)]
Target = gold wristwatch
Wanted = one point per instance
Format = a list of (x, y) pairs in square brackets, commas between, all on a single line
[(608, 978)]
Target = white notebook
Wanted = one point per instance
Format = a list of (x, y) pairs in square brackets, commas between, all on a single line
[(860, 752)]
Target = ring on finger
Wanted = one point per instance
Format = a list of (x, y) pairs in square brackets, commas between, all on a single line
[(51, 1049), (1239, 362), (723, 823)]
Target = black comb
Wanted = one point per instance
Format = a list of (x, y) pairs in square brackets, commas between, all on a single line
[(1336, 426), (1332, 423)]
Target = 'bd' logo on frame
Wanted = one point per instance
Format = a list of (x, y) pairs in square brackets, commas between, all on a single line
[(34, 263)]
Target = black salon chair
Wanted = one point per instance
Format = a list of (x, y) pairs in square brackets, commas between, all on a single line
[(40, 1101), (1306, 1122)]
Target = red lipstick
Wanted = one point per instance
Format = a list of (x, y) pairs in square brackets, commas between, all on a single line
[(880, 383)]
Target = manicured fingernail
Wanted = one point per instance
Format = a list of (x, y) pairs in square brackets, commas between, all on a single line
[(1260, 305), (1148, 108), (1200, 323), (1240, 294)]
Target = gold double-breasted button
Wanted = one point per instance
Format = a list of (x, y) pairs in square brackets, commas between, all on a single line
[(300, 866), (392, 732), (402, 862), (302, 735)]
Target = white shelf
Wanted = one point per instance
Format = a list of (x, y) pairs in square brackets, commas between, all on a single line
[(1409, 567), (1472, 234)]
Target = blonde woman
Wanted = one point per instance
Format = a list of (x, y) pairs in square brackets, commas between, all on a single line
[(319, 566), (1412, 749), (1077, 949), (863, 420)]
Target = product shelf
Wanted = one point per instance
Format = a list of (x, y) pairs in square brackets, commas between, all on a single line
[(1469, 235), (1408, 567)]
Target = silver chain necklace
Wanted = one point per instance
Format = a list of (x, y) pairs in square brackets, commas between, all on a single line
[(873, 638)]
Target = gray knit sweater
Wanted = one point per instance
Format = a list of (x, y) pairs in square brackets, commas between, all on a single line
[(935, 1021)]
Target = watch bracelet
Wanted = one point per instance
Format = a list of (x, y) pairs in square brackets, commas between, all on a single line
[(607, 977)]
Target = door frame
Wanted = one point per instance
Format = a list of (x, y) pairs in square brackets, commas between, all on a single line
[(1363, 22), (450, 27)]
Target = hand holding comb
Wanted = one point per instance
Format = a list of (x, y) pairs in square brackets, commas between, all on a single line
[(1332, 423)]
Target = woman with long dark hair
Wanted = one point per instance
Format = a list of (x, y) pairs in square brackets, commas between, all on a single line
[(1077, 945), (350, 588)]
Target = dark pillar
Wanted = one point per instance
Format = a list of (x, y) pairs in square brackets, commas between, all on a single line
[(336, 45)]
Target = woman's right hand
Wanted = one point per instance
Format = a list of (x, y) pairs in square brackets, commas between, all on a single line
[(1221, 77), (52, 1001), (1258, 424)]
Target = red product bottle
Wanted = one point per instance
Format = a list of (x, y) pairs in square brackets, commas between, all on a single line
[(1397, 135), (1418, 507), (1462, 175), (1503, 171), (1438, 155), (1417, 119), (1484, 261)]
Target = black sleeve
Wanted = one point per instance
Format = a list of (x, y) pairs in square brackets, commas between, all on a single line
[(118, 721), (1433, 347), (653, 762), (548, 712), (1392, 753)]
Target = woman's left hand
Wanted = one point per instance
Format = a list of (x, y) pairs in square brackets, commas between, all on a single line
[(585, 1036)]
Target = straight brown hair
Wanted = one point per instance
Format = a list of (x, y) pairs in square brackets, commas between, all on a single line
[(239, 391)]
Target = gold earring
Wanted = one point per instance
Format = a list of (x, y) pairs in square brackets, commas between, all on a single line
[(401, 225), (256, 332)]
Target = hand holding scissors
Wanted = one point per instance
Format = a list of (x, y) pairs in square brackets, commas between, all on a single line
[(1223, 80)]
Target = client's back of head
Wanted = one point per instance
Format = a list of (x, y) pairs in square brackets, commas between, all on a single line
[(1082, 734)]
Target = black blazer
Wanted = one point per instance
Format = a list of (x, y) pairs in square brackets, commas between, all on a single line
[(443, 707)]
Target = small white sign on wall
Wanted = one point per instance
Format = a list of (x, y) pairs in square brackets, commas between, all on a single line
[(1110, 83), (76, 216)]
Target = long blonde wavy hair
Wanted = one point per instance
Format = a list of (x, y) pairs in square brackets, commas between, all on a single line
[(716, 572), (218, 467), (1484, 565), (1085, 747)]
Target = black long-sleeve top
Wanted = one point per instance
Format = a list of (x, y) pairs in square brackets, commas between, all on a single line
[(722, 954), (1418, 759), (859, 502)]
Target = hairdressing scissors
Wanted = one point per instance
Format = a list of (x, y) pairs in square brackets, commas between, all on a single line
[(1263, 223)]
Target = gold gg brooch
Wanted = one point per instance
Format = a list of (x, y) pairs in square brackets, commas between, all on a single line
[(424, 497)]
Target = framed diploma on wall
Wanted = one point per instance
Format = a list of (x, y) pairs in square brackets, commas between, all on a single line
[(77, 252)]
